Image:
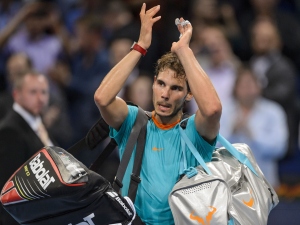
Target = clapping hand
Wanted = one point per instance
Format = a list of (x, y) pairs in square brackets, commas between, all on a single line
[(185, 29)]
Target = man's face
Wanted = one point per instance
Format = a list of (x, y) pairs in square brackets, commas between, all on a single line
[(169, 94), (264, 38), (247, 89), (119, 49), (33, 95)]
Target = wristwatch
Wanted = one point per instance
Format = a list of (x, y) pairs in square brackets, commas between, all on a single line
[(138, 48)]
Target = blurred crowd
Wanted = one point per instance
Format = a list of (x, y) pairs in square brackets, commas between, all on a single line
[(74, 43)]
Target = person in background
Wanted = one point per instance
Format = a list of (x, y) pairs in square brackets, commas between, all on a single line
[(271, 9), (118, 49), (139, 92), (277, 74), (87, 64), (119, 22), (16, 66), (208, 13), (8, 10), (218, 61), (22, 132), (178, 78), (30, 31), (258, 122)]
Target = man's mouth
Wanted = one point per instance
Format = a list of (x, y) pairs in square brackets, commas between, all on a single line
[(164, 107)]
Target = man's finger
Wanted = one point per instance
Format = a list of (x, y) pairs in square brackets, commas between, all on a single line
[(153, 9), (143, 9), (156, 18), (180, 28)]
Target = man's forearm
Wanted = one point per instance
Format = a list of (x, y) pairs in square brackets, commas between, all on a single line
[(200, 84), (116, 78)]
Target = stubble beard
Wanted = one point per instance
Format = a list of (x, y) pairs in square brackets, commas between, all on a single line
[(173, 114)]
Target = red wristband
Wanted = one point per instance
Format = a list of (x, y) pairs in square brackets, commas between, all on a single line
[(138, 48)]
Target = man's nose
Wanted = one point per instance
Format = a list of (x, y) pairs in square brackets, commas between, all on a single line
[(165, 93), (42, 97)]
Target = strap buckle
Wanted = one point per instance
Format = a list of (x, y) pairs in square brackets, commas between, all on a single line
[(118, 182), (135, 178)]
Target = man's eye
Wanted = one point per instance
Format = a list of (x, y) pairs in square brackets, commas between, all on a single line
[(175, 88), (161, 84)]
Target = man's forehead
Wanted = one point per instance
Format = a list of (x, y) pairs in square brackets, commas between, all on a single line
[(170, 76)]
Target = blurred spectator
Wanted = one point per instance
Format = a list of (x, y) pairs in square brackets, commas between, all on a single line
[(33, 32), (8, 9), (34, 37), (119, 22), (218, 61), (276, 73), (55, 116), (87, 64), (287, 24), (258, 122), (72, 10), (117, 16), (119, 47), (139, 92), (17, 65), (205, 13), (22, 132)]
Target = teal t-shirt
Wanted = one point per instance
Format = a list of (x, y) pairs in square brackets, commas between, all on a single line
[(160, 166)]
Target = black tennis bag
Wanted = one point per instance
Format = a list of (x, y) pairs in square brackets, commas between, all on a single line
[(53, 187)]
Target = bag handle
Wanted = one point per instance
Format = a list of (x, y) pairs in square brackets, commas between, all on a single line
[(184, 138), (233, 151), (242, 158)]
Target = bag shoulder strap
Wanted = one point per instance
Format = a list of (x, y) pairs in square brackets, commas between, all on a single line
[(98, 133), (233, 151), (135, 176), (141, 120), (138, 137), (242, 158)]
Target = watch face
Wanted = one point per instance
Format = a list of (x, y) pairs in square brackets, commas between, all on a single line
[(132, 45)]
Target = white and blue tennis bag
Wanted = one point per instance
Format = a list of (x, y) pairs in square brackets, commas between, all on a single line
[(231, 189)]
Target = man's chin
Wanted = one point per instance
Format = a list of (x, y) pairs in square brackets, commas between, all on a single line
[(165, 113)]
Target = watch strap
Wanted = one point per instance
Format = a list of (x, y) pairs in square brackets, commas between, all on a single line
[(138, 48)]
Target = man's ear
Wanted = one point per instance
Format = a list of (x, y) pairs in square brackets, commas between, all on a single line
[(189, 97), (16, 95)]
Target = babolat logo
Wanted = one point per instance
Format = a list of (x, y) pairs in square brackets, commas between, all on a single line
[(88, 220), (115, 196), (41, 174)]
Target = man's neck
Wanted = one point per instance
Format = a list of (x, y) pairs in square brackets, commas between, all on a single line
[(28, 117), (166, 122)]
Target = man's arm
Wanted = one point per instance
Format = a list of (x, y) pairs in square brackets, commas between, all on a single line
[(113, 109), (209, 111)]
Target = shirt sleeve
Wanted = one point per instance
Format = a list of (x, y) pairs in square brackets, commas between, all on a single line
[(121, 136), (204, 148)]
